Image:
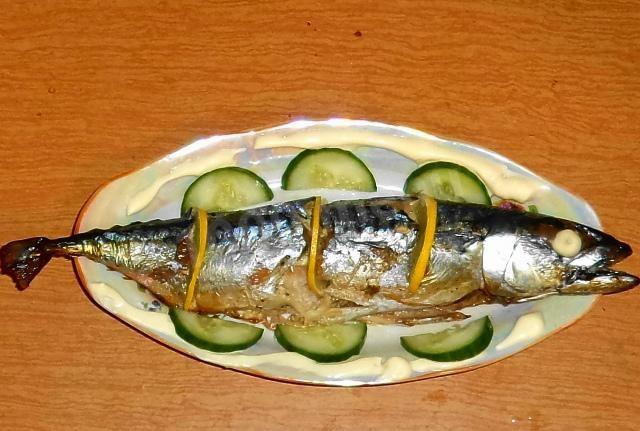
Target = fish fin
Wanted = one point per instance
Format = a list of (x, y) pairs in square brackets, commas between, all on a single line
[(22, 260)]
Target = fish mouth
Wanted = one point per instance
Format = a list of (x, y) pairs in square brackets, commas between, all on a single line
[(599, 281), (590, 271)]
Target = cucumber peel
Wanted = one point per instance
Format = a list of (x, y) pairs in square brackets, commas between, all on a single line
[(448, 181), (323, 343), (328, 168), (453, 344), (226, 189), (212, 333)]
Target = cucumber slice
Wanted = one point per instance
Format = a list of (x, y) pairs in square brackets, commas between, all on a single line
[(226, 189), (454, 344), (211, 333), (330, 343), (328, 168), (449, 182)]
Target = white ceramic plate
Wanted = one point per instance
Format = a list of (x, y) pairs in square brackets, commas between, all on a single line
[(391, 152)]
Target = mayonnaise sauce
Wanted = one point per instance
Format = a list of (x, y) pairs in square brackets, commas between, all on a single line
[(528, 327), (567, 243), (190, 166), (160, 325), (500, 180), (341, 133)]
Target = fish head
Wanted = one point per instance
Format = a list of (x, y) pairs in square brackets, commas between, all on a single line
[(589, 271), (540, 255)]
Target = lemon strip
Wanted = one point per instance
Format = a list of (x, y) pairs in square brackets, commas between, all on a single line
[(201, 231), (424, 242), (313, 245)]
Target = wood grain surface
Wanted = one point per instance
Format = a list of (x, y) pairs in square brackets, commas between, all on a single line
[(90, 89)]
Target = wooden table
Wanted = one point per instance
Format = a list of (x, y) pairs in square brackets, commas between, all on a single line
[(89, 90)]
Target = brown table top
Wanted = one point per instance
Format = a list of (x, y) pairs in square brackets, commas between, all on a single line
[(89, 91)]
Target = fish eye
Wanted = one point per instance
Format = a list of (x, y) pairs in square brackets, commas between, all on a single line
[(567, 243)]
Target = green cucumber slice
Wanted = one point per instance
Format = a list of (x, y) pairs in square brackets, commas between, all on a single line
[(448, 181), (327, 343), (226, 189), (211, 333), (453, 344), (328, 168)]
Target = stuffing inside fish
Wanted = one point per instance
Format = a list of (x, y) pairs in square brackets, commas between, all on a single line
[(255, 262)]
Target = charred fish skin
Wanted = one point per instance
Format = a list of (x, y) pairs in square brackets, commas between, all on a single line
[(367, 258), (370, 246), (521, 262), (481, 254), (367, 243), (156, 254), (455, 269), (255, 261), (250, 253), (371, 243)]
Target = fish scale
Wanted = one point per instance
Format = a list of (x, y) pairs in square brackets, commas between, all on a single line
[(255, 262)]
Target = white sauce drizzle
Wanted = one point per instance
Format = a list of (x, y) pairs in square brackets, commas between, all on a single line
[(500, 180), (160, 325), (567, 243), (528, 327), (189, 167), (394, 369), (421, 148)]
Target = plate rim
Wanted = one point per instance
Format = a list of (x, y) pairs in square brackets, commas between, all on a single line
[(82, 278)]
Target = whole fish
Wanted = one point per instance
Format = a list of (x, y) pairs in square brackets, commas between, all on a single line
[(255, 261)]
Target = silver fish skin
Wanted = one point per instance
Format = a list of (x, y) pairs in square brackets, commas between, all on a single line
[(256, 260)]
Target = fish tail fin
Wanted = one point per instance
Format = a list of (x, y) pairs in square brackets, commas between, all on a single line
[(22, 260)]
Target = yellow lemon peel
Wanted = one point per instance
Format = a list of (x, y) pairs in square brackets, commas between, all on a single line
[(424, 242), (313, 245), (202, 221)]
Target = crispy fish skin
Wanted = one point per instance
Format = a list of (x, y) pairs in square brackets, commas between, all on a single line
[(255, 263), (251, 260)]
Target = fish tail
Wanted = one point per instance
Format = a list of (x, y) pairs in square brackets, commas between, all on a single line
[(22, 260)]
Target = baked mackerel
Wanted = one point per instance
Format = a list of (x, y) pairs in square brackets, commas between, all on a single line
[(255, 261)]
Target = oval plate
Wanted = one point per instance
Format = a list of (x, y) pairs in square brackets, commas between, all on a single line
[(391, 152)]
